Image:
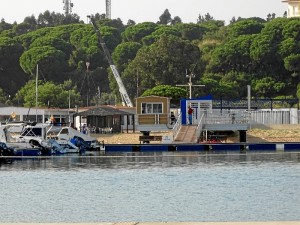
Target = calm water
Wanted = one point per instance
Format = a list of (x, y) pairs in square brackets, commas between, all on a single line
[(168, 187)]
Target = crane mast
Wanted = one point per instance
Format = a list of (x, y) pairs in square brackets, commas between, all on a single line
[(122, 89)]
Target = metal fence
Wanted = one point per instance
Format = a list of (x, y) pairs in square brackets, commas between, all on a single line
[(255, 117)]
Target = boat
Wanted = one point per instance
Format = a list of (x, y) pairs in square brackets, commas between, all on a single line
[(67, 133), (5, 154), (30, 139)]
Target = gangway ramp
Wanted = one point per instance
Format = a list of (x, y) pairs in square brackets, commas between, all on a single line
[(186, 134)]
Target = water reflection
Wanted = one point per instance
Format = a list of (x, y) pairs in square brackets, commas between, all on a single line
[(151, 187), (143, 160)]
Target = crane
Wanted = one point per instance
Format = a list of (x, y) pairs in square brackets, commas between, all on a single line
[(122, 89)]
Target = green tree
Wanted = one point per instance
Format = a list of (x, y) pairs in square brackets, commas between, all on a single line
[(267, 87), (49, 94), (165, 18), (163, 63), (52, 62), (138, 32), (191, 31), (11, 75), (234, 55), (124, 53), (4, 26), (245, 27), (175, 93)]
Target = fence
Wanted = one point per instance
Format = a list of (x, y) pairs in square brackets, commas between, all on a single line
[(263, 116)]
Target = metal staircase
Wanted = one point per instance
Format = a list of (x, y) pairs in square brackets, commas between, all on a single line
[(233, 121), (186, 134)]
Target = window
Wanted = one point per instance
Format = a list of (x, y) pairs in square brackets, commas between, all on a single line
[(151, 108)]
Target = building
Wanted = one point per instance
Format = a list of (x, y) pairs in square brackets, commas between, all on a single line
[(39, 115), (105, 119), (293, 8)]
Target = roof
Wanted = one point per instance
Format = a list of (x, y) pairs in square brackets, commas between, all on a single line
[(103, 111)]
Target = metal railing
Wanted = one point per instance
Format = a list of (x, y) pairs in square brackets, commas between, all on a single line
[(177, 126), (232, 117), (199, 127)]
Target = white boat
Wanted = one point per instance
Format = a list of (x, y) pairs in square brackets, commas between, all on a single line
[(70, 134), (33, 135)]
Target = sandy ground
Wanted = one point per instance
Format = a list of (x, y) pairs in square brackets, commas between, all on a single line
[(275, 133)]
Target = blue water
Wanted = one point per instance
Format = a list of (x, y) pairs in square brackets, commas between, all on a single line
[(156, 188)]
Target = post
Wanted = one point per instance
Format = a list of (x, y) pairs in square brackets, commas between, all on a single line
[(36, 91), (249, 97)]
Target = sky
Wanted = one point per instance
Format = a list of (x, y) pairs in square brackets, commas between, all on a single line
[(146, 10)]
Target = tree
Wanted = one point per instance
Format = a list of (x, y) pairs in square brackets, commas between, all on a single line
[(245, 27), (175, 93), (52, 62), (176, 20), (49, 94), (124, 53), (3, 97), (11, 75), (163, 63), (267, 87), (234, 55), (4, 26), (165, 18), (138, 32), (205, 18), (271, 16), (191, 31), (292, 63)]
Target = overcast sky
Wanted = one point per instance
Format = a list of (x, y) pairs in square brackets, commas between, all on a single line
[(146, 10)]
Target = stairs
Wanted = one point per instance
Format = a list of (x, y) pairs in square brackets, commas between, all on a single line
[(186, 134)]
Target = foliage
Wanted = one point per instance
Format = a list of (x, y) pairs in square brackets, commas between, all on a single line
[(49, 94), (137, 32), (263, 53), (175, 93)]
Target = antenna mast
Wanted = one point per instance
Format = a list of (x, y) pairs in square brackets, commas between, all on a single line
[(108, 9), (68, 5)]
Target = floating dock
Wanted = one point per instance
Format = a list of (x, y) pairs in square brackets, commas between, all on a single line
[(207, 147)]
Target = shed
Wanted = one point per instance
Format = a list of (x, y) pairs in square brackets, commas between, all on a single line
[(153, 113), (105, 118)]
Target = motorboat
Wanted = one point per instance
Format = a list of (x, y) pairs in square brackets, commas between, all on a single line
[(79, 139), (31, 139)]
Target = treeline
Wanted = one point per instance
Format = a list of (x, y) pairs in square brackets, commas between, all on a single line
[(263, 53)]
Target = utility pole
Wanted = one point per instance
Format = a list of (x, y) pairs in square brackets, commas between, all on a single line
[(87, 79), (190, 84), (68, 5)]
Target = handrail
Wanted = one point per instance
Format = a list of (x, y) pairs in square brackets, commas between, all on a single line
[(176, 127), (199, 127)]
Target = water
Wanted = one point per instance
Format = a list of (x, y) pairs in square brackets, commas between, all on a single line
[(158, 187)]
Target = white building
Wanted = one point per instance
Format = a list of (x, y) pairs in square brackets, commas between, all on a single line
[(293, 8), (12, 113)]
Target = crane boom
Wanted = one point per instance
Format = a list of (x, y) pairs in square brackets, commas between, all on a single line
[(122, 89)]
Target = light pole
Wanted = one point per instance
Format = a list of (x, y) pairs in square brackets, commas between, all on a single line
[(190, 84), (87, 79)]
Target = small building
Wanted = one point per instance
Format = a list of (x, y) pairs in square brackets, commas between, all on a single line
[(293, 8), (104, 119), (153, 113), (40, 115), (200, 106)]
